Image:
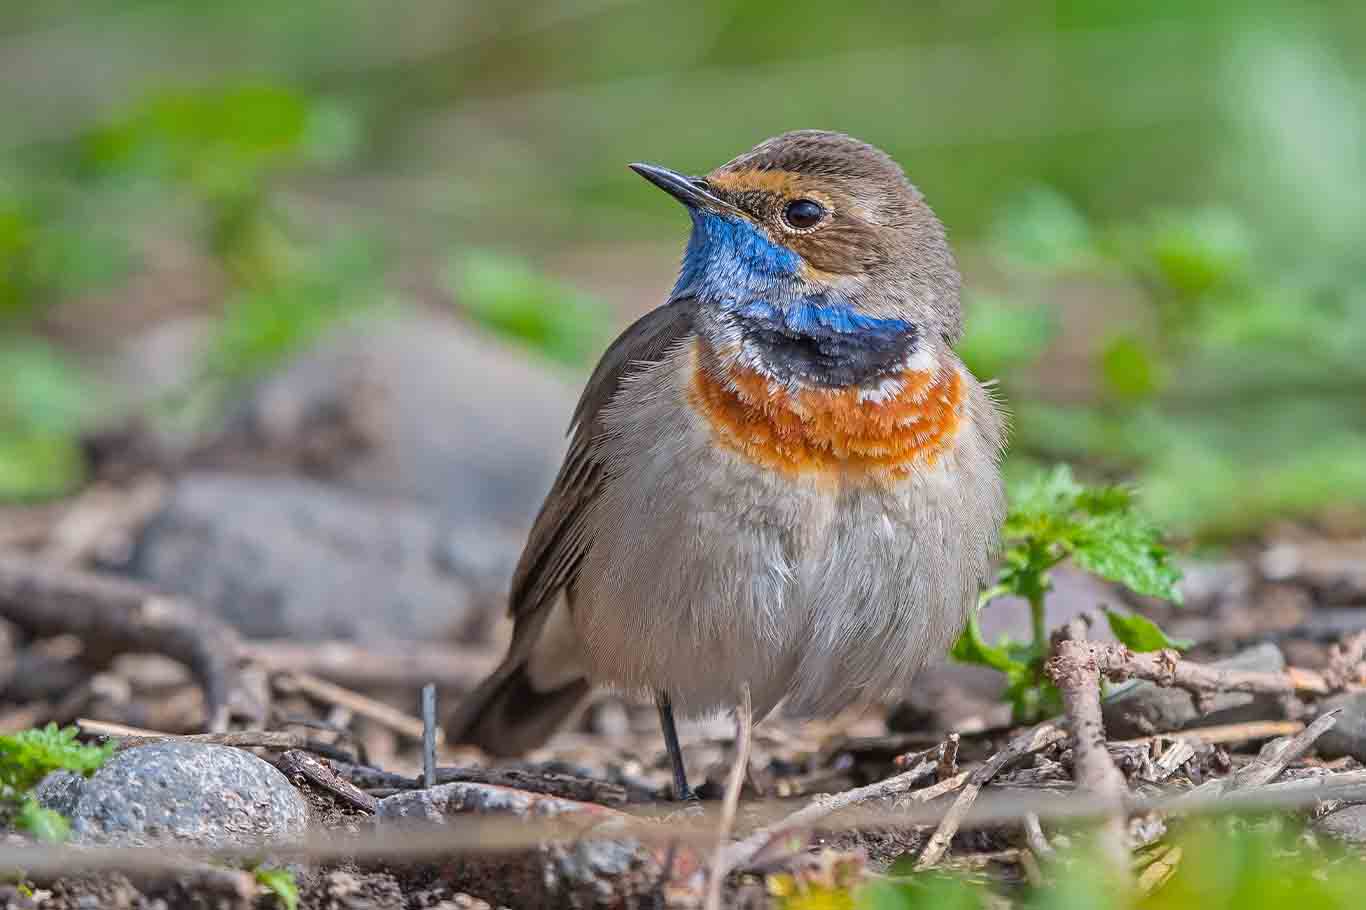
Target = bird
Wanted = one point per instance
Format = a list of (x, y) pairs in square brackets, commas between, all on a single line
[(782, 486)]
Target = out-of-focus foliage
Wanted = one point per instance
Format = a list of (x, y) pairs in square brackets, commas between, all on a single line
[(1101, 529), (1226, 864), (509, 296), (1157, 205)]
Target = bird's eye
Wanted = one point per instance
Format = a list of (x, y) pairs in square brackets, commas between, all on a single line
[(803, 213)]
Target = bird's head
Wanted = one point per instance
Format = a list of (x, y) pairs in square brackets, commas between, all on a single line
[(816, 261)]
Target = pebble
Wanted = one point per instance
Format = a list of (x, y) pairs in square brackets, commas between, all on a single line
[(188, 793)]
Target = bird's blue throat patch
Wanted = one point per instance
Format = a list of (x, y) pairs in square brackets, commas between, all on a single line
[(816, 337)]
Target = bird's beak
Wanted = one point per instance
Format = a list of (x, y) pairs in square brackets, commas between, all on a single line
[(691, 191)]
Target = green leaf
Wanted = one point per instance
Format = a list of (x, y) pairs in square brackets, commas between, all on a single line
[(1123, 548), (280, 882), (1142, 634), (972, 649), (28, 757), (44, 824)]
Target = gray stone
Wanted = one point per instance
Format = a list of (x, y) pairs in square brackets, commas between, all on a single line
[(445, 414), (1334, 569), (190, 793), (281, 557), (1143, 708), (1347, 823), (1348, 735)]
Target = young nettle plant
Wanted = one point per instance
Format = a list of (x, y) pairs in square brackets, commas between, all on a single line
[(1053, 518), (26, 758)]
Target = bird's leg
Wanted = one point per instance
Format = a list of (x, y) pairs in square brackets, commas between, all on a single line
[(682, 792), (730, 804)]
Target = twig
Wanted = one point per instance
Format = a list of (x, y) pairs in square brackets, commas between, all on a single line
[(1265, 768), (1166, 668), (744, 740), (113, 616), (1030, 741), (130, 737), (301, 768), (1277, 754), (1074, 672), (429, 735), (363, 705), (1224, 734), (821, 808)]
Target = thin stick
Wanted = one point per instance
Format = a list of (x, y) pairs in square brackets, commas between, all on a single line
[(381, 713), (1276, 755), (744, 740), (1223, 733), (429, 735), (821, 808), (1032, 740), (129, 737), (1078, 679)]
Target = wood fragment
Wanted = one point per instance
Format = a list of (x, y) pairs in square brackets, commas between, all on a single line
[(948, 758), (1224, 734), (1028, 742), (362, 705), (113, 616), (302, 768)]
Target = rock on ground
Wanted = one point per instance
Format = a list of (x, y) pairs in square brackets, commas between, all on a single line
[(290, 558), (1348, 735), (437, 411), (190, 793), (1143, 708)]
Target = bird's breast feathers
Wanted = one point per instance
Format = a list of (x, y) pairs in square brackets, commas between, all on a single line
[(904, 425)]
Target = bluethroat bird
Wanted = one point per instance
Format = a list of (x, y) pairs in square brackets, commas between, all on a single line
[(782, 485)]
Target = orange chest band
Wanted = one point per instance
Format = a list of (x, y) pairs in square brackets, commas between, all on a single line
[(831, 431)]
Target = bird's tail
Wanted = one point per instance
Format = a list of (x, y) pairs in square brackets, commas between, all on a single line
[(507, 715), (534, 691)]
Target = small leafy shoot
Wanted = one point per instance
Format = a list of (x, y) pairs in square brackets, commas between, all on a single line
[(1139, 633), (279, 882), (1054, 518)]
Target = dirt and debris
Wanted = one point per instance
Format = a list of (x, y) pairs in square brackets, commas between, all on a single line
[(1269, 706)]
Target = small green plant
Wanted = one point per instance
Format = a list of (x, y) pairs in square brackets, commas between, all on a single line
[(1054, 518), (281, 883), (26, 758)]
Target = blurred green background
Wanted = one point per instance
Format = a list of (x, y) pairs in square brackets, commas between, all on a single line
[(1159, 207)]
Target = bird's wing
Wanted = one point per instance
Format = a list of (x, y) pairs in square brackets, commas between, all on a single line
[(557, 543)]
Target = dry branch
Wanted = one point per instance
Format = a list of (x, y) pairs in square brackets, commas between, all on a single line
[(1074, 671), (1166, 668), (1032, 740), (112, 616)]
